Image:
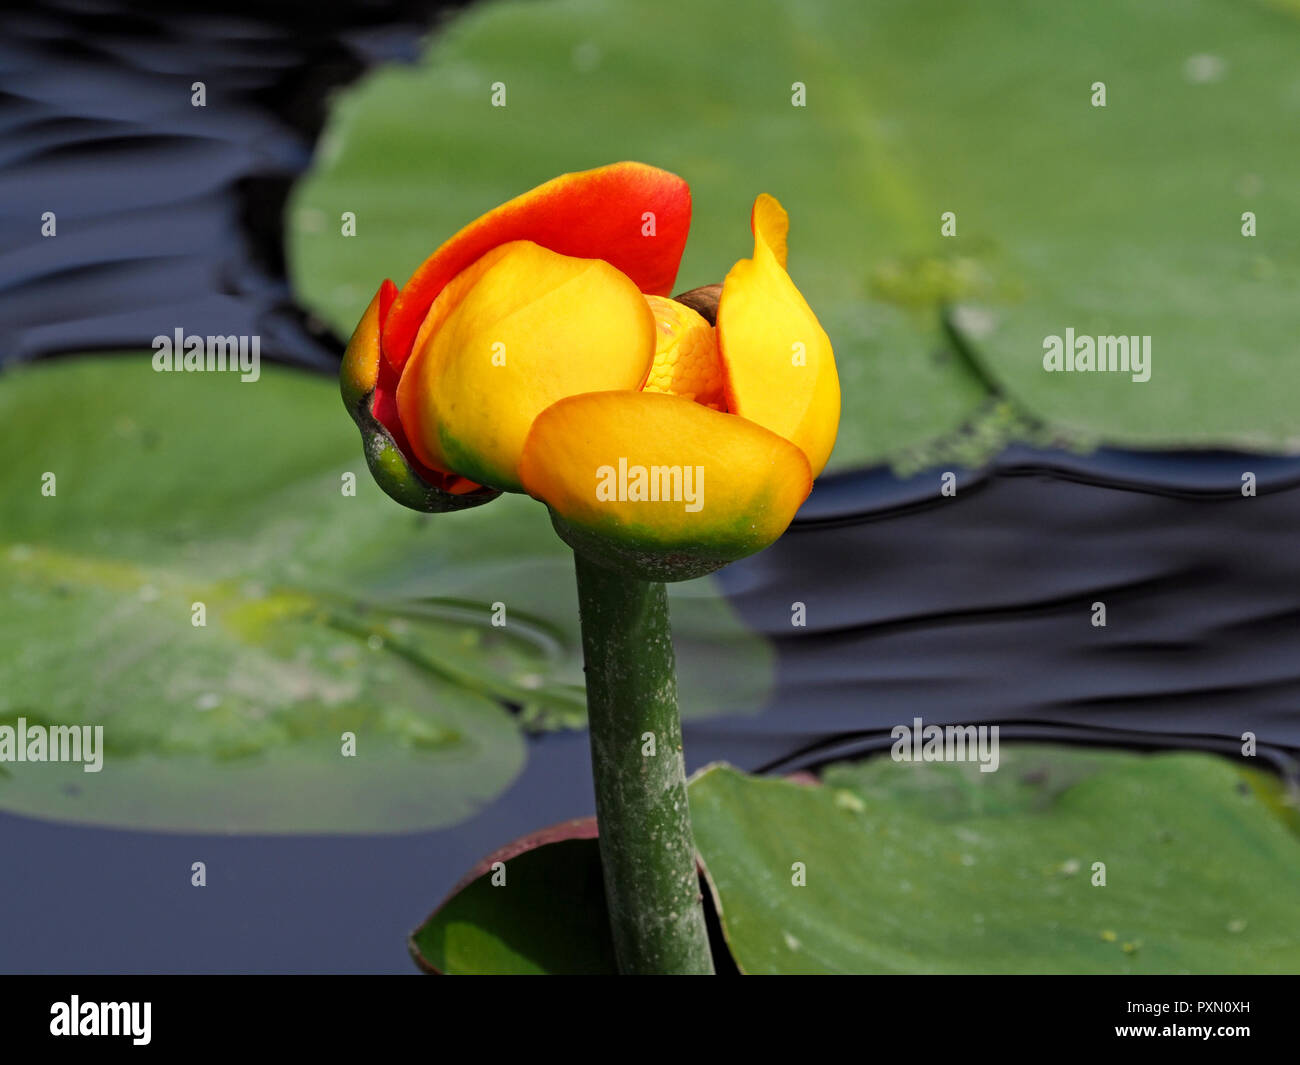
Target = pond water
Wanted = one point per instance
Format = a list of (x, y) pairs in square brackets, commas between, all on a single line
[(976, 607)]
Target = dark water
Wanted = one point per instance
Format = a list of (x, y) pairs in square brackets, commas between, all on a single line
[(973, 608), (168, 212), (979, 607)]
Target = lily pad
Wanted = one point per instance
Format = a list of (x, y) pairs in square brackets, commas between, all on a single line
[(939, 868), (1123, 219), (324, 613), (489, 923)]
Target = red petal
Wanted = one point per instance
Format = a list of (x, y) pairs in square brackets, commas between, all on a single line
[(593, 214)]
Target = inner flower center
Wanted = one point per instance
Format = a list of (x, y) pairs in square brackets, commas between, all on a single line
[(686, 359)]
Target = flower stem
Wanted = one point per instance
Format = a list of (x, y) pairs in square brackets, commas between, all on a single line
[(646, 847)]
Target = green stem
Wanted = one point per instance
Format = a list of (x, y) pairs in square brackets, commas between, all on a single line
[(646, 847)]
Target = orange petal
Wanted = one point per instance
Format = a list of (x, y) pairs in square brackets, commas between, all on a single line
[(519, 330), (779, 366), (659, 486), (604, 213)]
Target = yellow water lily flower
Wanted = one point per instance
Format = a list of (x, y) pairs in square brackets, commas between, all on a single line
[(537, 351)]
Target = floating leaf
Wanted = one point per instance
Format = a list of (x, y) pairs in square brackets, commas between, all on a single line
[(490, 923), (937, 867), (324, 613), (1124, 219)]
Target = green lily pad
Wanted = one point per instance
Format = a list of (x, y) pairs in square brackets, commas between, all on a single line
[(418, 153), (489, 924), (325, 613), (938, 868), (1123, 219)]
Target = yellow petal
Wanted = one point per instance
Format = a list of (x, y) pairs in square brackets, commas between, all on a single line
[(769, 219), (686, 361), (518, 330), (659, 486), (780, 369), (360, 370)]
